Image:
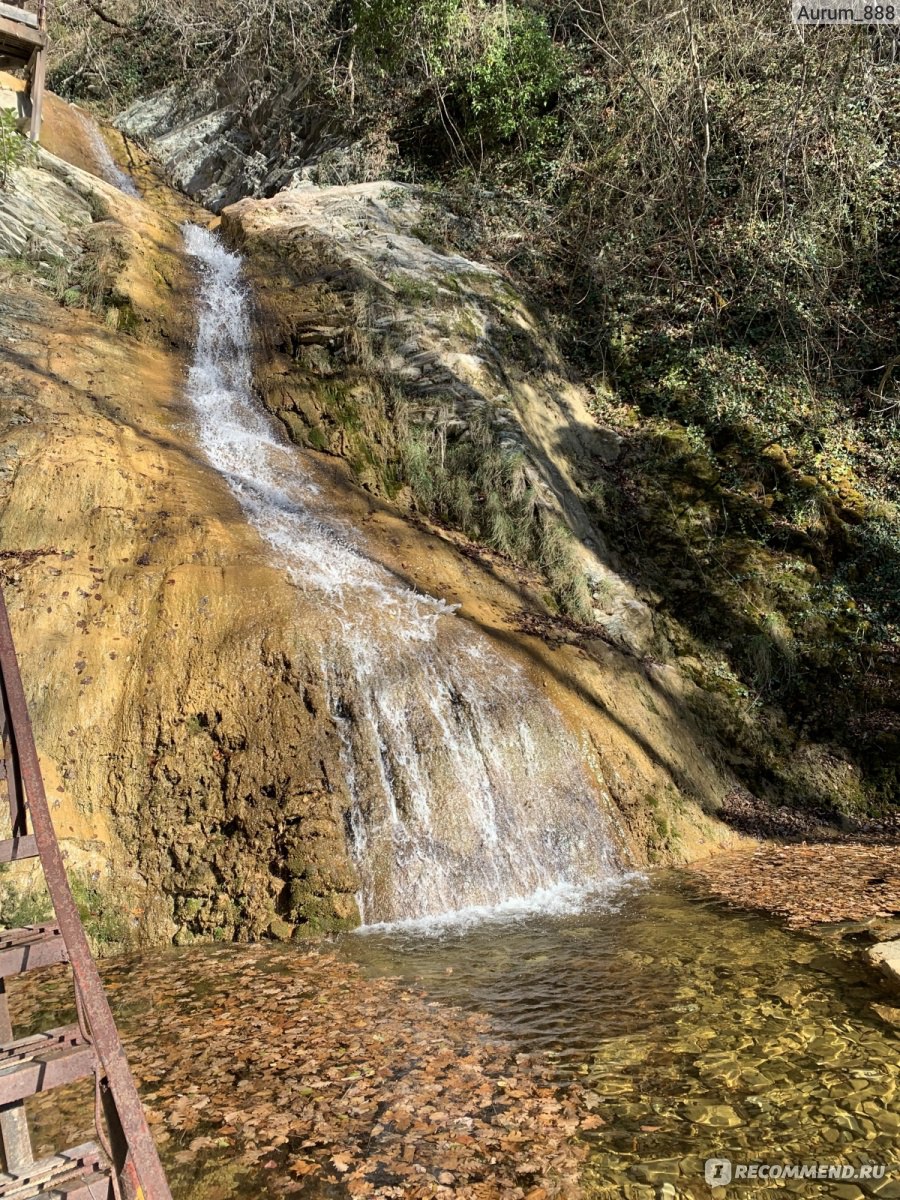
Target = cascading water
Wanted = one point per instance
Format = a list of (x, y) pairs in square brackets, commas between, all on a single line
[(466, 789), (109, 169)]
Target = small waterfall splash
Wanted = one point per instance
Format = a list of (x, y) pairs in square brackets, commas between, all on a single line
[(466, 789)]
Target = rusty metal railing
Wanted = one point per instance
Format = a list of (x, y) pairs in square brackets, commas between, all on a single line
[(135, 1161)]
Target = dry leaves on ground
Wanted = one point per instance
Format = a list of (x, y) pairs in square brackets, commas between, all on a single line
[(809, 884), (310, 1074)]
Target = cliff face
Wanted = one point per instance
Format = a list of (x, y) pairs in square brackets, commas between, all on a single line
[(173, 689), (174, 671), (376, 345), (173, 694), (218, 150), (366, 333)]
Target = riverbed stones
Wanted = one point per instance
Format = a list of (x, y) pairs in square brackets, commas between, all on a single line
[(317, 1080), (888, 1013), (656, 1171), (885, 957), (884, 1189), (720, 1116)]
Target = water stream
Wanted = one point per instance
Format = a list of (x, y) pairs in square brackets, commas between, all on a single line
[(109, 168), (465, 788), (696, 1032)]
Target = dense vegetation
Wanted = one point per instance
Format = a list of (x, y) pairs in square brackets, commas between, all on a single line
[(707, 199)]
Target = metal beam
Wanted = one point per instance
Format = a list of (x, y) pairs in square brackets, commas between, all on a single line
[(143, 1159), (20, 34), (20, 15)]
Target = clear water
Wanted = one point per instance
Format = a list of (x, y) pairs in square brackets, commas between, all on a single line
[(686, 1032), (463, 787), (696, 1032)]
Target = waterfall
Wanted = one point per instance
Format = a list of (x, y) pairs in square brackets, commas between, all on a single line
[(109, 169), (465, 787)]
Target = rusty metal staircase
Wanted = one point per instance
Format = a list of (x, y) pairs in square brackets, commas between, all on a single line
[(124, 1164)]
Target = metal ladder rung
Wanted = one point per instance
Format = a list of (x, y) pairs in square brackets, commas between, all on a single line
[(29, 948), (99, 1187), (18, 848), (47, 1060), (77, 1174)]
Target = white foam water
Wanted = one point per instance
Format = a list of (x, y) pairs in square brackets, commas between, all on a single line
[(561, 900), (465, 789)]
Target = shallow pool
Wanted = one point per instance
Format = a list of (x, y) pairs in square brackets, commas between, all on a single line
[(697, 1032)]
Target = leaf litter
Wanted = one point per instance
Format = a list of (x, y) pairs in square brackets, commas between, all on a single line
[(810, 884), (312, 1080)]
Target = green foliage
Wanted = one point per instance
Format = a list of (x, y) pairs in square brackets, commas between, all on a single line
[(18, 266), (413, 291), (473, 484), (26, 902), (100, 911), (317, 439), (873, 570), (22, 904), (512, 81), (91, 280), (395, 32), (13, 146), (495, 71)]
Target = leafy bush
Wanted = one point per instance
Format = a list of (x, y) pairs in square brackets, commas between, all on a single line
[(394, 33), (512, 81), (13, 146)]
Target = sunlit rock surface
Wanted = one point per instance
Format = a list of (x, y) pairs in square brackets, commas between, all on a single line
[(449, 332)]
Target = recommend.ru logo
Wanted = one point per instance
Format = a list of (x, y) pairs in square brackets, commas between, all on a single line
[(719, 1172)]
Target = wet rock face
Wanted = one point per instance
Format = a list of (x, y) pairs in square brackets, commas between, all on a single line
[(354, 300), (193, 772), (354, 303), (238, 805)]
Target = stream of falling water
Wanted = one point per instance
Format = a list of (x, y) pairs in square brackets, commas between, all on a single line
[(466, 790), (109, 168)]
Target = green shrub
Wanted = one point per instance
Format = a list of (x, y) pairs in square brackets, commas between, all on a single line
[(398, 33), (512, 81), (101, 912), (21, 905), (13, 146)]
